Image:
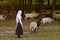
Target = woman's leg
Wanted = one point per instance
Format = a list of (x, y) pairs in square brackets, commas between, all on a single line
[(19, 30)]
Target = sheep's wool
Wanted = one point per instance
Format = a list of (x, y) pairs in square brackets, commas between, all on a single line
[(33, 26), (45, 20)]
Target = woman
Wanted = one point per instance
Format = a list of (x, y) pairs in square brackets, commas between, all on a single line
[(19, 31)]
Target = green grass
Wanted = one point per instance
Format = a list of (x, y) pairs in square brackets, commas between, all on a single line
[(46, 32)]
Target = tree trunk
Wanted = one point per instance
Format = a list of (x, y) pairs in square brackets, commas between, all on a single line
[(40, 10), (51, 8)]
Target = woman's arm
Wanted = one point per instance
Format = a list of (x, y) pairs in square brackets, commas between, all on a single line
[(21, 22)]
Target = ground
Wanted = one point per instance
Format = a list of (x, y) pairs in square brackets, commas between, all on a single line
[(46, 32)]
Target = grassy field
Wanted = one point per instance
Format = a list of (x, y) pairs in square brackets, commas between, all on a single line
[(46, 32)]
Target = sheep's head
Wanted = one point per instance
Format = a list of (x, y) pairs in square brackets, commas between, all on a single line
[(33, 26), (33, 30)]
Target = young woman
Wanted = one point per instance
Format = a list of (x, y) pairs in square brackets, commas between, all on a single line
[(19, 31)]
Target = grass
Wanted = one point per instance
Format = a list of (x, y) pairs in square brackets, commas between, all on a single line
[(46, 32)]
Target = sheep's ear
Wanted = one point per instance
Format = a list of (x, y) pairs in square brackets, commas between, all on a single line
[(32, 29)]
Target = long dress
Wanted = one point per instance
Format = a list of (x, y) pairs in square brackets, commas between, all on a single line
[(19, 30)]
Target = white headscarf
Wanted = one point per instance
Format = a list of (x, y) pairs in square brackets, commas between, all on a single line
[(18, 17)]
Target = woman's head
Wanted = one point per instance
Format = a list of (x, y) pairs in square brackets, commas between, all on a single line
[(19, 12)]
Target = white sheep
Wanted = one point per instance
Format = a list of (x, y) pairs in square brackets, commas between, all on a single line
[(46, 20), (3, 17), (33, 26), (30, 15)]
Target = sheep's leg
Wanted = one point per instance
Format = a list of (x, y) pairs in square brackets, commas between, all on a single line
[(34, 30)]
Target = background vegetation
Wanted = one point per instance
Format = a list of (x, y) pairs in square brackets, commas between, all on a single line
[(8, 7)]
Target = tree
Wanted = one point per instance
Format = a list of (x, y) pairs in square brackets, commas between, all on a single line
[(40, 10), (51, 7)]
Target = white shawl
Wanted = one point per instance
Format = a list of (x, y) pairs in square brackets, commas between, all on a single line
[(18, 17)]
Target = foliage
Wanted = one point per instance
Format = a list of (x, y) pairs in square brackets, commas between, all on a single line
[(58, 2), (51, 1), (27, 4), (9, 2)]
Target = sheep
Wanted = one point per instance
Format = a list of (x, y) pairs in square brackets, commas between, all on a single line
[(33, 26), (46, 20), (2, 17), (30, 15)]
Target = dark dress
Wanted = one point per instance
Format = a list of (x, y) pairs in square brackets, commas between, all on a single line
[(19, 30)]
